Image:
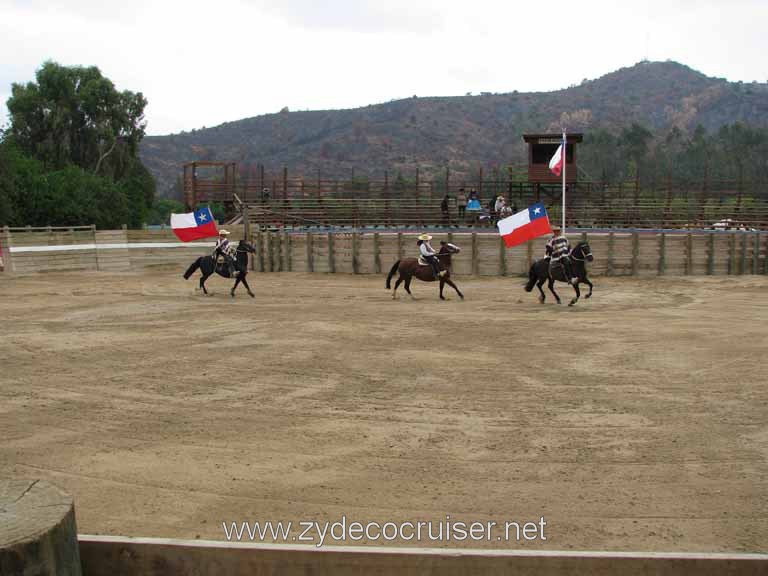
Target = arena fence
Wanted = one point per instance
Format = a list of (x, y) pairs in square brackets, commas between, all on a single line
[(617, 252)]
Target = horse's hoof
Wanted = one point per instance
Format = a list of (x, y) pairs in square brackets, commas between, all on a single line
[(571, 303), (232, 293), (251, 294), (588, 295)]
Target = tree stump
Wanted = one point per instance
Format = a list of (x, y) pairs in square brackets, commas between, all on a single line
[(38, 535)]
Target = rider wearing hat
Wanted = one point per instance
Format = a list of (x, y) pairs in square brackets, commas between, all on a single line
[(222, 249), (429, 254), (559, 249)]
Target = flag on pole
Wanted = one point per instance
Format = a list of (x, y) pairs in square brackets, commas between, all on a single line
[(556, 163), (525, 225), (194, 225)]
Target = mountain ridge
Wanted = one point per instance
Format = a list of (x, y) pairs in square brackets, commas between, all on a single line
[(460, 132)]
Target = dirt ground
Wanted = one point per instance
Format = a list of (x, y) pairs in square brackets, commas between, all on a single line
[(637, 420)]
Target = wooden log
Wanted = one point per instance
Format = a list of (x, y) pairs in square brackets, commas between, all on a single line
[(376, 253), (611, 254), (756, 254), (400, 247), (288, 241), (662, 254), (689, 253), (475, 255), (502, 257), (743, 263), (635, 252), (38, 533), (711, 255), (732, 254), (355, 253), (310, 253), (260, 250), (331, 255)]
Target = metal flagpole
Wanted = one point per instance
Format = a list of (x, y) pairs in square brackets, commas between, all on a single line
[(565, 162)]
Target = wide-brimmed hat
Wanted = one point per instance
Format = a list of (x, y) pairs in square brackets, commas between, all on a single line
[(223, 232), (425, 237)]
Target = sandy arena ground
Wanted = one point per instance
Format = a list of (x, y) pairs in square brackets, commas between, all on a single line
[(637, 420)]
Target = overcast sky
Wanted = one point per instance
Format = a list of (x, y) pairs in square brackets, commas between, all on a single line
[(204, 63)]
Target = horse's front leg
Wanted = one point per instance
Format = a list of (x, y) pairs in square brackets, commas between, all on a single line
[(588, 283), (202, 284), (578, 294), (452, 285), (539, 284), (551, 286), (245, 283), (232, 292), (442, 285)]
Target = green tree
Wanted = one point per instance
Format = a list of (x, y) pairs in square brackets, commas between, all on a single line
[(74, 115)]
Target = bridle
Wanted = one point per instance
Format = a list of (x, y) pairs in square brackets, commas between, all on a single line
[(582, 251)]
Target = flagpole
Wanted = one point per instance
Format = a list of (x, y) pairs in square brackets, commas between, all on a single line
[(565, 162)]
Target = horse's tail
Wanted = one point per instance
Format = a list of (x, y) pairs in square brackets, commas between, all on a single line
[(192, 268), (392, 273), (532, 277)]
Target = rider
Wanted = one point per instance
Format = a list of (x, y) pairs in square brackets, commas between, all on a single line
[(222, 248), (429, 254), (558, 249)]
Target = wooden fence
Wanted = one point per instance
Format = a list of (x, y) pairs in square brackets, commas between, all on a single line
[(616, 253)]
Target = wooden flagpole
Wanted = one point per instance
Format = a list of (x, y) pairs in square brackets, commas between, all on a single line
[(565, 162)]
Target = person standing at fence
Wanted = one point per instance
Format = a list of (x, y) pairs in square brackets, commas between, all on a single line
[(461, 203), (446, 211)]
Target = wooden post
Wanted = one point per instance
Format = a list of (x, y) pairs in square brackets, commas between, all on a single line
[(765, 256), (247, 233), (743, 267), (502, 257), (756, 254), (611, 250), (271, 251), (95, 246), (689, 253), (331, 256), (310, 253), (711, 255), (475, 255), (635, 252), (5, 248), (355, 252), (732, 254), (528, 255), (400, 247), (662, 254), (287, 250), (376, 253)]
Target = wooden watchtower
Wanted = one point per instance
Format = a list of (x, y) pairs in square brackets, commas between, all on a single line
[(209, 182), (541, 148)]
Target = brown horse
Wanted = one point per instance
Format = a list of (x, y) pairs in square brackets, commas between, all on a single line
[(410, 267)]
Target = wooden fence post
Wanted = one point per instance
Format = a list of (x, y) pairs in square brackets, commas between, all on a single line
[(743, 266), (756, 254), (355, 252), (732, 253), (689, 253), (331, 255), (376, 253), (635, 252), (95, 245), (502, 257), (310, 253), (711, 255), (475, 255), (5, 248), (288, 241), (662, 254), (528, 255), (270, 251), (400, 246), (765, 256), (611, 250), (279, 249)]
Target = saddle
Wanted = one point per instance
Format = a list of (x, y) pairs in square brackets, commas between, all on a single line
[(422, 262)]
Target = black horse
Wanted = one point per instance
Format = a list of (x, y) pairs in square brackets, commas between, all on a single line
[(539, 272), (208, 265)]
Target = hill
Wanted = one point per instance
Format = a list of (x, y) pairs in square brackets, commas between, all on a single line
[(460, 131)]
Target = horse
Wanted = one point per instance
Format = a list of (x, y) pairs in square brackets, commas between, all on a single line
[(410, 267), (208, 265), (539, 272)]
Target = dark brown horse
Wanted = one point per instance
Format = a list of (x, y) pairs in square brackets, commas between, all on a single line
[(408, 268)]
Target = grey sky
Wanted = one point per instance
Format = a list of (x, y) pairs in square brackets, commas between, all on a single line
[(204, 63)]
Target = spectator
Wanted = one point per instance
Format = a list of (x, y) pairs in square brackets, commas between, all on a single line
[(461, 203), (500, 203)]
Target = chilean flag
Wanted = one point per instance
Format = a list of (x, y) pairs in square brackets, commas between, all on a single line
[(556, 163), (194, 225), (525, 225)]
